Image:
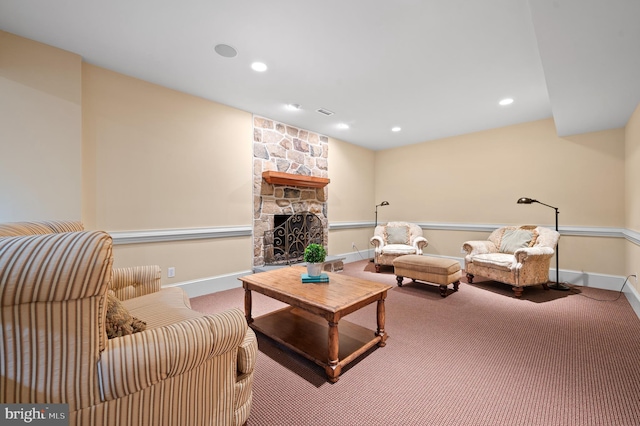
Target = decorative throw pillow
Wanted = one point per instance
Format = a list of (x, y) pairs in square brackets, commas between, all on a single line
[(397, 234), (119, 321), (534, 233), (514, 239)]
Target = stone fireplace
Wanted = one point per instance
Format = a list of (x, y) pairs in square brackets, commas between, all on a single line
[(290, 173), (285, 243)]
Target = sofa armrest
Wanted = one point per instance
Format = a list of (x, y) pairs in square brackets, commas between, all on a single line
[(136, 281), (533, 254), (140, 360), (479, 247)]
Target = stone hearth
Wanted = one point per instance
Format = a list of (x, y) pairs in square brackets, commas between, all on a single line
[(283, 148)]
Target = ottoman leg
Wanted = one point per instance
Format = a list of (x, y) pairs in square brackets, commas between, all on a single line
[(456, 285), (443, 290), (399, 280), (470, 278)]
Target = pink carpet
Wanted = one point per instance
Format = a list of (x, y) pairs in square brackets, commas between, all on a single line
[(477, 357)]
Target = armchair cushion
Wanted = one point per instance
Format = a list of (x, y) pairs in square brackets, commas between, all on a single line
[(162, 308), (119, 322), (503, 261), (398, 249), (397, 234)]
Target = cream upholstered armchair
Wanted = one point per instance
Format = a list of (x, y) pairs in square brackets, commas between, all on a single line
[(396, 239), (516, 255), (185, 368)]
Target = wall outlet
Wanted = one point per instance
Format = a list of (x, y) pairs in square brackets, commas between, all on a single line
[(353, 245), (171, 272)]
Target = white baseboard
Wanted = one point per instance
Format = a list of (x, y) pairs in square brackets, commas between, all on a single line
[(209, 285), (633, 297)]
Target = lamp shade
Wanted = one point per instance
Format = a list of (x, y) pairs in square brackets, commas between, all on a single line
[(526, 200)]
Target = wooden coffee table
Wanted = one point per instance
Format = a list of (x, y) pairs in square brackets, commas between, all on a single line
[(301, 327)]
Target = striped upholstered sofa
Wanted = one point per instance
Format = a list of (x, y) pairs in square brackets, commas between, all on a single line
[(185, 368)]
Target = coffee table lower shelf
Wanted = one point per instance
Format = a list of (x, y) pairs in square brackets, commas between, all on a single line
[(308, 335)]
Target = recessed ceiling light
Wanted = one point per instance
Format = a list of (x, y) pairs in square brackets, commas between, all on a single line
[(506, 101), (343, 126), (225, 50), (259, 66), (396, 129), (293, 107)]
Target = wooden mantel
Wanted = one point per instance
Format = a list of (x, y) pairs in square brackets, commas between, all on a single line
[(281, 178)]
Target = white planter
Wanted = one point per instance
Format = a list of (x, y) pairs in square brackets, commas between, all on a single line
[(314, 269)]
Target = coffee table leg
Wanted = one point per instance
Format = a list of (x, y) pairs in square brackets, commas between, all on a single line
[(381, 318), (333, 369), (247, 306)]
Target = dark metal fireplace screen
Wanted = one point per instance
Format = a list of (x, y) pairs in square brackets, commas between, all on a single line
[(286, 242)]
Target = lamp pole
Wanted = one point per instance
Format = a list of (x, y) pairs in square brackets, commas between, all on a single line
[(384, 203), (557, 285)]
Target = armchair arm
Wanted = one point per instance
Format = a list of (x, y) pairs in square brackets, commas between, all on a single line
[(136, 281), (479, 247), (533, 254), (140, 360), (420, 243), (378, 242), (247, 353)]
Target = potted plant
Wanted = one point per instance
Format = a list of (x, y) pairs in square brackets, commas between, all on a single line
[(314, 255)]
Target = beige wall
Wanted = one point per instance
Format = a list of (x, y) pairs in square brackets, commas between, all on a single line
[(82, 142), (40, 139), (351, 195), (160, 159), (477, 178), (632, 191), (164, 159)]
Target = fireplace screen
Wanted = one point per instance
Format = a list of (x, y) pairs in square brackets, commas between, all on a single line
[(291, 234)]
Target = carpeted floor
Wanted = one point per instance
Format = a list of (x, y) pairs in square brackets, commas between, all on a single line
[(477, 357)]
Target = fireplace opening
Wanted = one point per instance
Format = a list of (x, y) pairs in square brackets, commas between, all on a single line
[(280, 219), (291, 234)]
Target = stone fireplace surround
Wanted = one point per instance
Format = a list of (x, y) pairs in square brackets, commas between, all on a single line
[(278, 147)]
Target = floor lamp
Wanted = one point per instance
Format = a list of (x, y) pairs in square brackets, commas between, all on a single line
[(384, 203), (558, 285)]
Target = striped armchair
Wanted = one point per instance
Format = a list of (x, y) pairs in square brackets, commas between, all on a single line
[(186, 368)]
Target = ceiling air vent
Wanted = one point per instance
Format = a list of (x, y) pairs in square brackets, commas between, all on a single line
[(324, 111)]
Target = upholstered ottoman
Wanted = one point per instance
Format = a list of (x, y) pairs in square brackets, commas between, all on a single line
[(436, 270)]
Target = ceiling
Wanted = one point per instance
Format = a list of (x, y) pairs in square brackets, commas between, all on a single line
[(435, 68)]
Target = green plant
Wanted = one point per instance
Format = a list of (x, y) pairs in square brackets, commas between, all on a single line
[(314, 253)]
